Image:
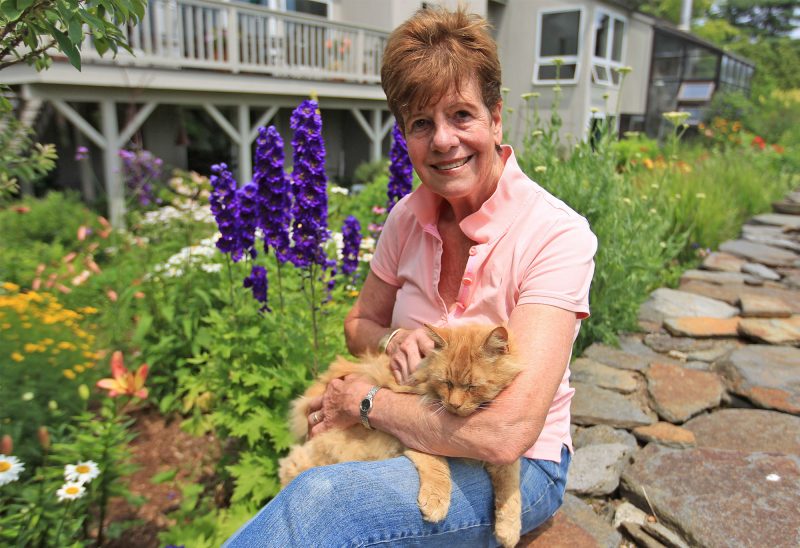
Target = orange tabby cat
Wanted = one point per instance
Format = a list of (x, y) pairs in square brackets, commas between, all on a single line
[(469, 366)]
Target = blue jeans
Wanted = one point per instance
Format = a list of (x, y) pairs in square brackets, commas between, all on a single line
[(375, 503)]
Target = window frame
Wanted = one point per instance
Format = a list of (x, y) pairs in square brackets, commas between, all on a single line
[(607, 62), (547, 60)]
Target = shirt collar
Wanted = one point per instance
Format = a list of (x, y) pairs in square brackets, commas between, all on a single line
[(494, 216)]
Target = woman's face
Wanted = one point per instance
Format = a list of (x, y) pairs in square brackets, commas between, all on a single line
[(452, 146)]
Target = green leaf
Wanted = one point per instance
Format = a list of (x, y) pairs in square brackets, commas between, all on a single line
[(163, 477), (10, 10), (186, 322), (75, 30), (24, 4), (67, 47), (143, 327)]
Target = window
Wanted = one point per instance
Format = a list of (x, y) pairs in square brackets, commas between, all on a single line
[(609, 37), (559, 38), (696, 91), (311, 7)]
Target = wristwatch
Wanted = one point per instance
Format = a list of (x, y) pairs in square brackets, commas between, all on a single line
[(366, 406)]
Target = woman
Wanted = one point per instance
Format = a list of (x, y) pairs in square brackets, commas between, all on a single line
[(477, 242)]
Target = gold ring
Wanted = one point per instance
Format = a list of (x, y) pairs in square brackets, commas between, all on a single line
[(316, 417)]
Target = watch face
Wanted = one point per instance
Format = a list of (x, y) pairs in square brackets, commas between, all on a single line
[(365, 404)]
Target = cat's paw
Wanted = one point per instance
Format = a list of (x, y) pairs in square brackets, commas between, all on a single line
[(433, 503), (507, 532)]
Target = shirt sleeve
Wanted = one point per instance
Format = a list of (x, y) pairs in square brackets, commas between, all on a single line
[(561, 272), (386, 259)]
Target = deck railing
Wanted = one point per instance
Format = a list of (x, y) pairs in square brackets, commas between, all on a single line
[(235, 37)]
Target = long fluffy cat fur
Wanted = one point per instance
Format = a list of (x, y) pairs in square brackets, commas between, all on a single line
[(469, 366)]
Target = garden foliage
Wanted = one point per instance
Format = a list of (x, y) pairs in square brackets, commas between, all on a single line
[(232, 326)]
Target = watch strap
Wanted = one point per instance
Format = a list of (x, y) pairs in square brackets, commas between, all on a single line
[(366, 406)]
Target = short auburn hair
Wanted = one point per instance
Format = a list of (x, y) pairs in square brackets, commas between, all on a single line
[(434, 51)]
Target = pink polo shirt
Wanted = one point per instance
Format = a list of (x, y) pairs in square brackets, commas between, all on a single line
[(530, 248)]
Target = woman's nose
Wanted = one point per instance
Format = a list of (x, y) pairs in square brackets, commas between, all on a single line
[(444, 137)]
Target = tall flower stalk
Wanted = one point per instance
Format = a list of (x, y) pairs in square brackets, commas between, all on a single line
[(310, 211), (401, 173), (351, 239), (275, 206)]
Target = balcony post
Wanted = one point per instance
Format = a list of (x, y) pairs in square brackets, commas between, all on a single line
[(233, 39), (245, 160), (112, 165)]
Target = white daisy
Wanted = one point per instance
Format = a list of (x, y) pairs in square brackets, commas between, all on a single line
[(82, 472), (10, 468), (70, 491)]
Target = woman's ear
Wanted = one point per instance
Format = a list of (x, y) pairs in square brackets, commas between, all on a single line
[(497, 122)]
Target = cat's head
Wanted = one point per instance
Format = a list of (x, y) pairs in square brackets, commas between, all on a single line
[(469, 366)]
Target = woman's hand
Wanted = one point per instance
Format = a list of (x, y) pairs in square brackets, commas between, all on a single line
[(406, 350), (338, 407)]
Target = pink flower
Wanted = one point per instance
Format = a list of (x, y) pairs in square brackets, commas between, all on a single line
[(124, 382)]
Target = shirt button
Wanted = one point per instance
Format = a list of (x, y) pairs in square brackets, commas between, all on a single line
[(466, 281), (473, 251)]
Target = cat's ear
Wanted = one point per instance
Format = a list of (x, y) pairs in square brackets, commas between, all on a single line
[(438, 340), (497, 342)]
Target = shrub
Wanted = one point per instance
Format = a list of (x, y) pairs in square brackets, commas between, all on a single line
[(47, 354)]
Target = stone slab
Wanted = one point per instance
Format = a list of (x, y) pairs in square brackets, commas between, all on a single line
[(713, 497), (679, 393), (786, 207), (592, 405), (597, 374), (731, 293), (760, 253), (702, 327), (616, 358), (772, 330), (778, 219), (761, 271), (601, 434), (575, 525), (724, 262), (768, 376), (748, 430), (595, 469), (754, 305), (719, 278), (667, 434), (671, 303)]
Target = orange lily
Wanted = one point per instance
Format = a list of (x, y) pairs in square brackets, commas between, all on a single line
[(124, 382)]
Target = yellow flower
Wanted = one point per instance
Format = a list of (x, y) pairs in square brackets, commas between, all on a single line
[(8, 286), (17, 357), (69, 373), (79, 368), (6, 325), (30, 347), (27, 325), (64, 345)]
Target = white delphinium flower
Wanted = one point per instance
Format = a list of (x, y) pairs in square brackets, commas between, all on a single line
[(10, 468), (339, 190), (70, 491), (82, 472)]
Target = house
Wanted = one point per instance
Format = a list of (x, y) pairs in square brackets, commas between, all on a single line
[(205, 74)]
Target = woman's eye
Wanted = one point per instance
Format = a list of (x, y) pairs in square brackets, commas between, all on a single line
[(418, 124), (463, 115)]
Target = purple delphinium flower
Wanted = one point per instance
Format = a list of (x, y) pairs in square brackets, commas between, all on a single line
[(224, 207), (248, 209), (401, 174), (81, 153), (274, 190), (141, 168), (351, 237), (257, 282), (309, 181)]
